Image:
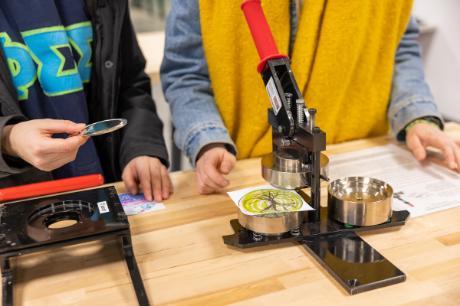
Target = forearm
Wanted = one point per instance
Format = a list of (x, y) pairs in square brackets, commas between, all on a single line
[(186, 83), (411, 97), (196, 119)]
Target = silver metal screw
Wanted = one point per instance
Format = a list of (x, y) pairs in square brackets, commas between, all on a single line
[(300, 106), (311, 121)]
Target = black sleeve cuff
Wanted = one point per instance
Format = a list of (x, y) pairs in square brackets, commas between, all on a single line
[(402, 134), (11, 165)]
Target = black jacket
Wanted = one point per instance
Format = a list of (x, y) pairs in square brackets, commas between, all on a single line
[(119, 88)]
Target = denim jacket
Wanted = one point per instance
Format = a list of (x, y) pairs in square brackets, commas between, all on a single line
[(187, 86)]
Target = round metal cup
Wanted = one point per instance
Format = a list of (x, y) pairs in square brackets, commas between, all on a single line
[(288, 172), (271, 224), (359, 201), (103, 127)]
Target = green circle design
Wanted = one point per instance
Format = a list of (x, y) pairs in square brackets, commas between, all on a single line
[(269, 201)]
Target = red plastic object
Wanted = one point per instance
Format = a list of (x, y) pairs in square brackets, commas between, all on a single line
[(261, 33), (50, 187)]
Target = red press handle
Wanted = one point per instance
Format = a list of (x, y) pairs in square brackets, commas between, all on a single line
[(261, 33), (50, 187)]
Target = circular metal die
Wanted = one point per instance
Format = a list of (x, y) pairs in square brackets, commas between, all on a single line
[(288, 172), (271, 224), (359, 201), (46, 222), (103, 127)]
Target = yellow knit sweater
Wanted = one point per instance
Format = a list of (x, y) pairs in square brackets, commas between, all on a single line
[(343, 61)]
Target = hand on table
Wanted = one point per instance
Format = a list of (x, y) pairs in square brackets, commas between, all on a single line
[(423, 135), (33, 142), (152, 177), (214, 162)]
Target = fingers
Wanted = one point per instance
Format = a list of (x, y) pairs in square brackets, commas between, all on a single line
[(156, 183), (145, 181), (167, 188), (414, 144), (152, 176), (457, 155), (60, 145), (130, 180), (209, 179), (449, 155), (213, 177), (211, 168), (202, 187), (442, 142), (228, 163), (422, 136), (457, 141), (54, 126)]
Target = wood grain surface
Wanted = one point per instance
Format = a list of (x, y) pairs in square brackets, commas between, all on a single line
[(184, 261)]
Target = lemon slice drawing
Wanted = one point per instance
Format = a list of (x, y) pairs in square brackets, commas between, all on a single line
[(269, 201)]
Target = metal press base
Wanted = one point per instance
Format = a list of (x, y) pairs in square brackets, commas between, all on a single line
[(25, 228), (351, 261)]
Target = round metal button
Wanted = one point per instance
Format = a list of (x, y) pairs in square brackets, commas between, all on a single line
[(108, 64)]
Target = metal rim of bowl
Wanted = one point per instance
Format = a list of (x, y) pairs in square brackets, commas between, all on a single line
[(332, 185), (364, 212)]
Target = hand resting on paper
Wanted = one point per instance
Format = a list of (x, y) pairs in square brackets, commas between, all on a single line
[(423, 135), (152, 177)]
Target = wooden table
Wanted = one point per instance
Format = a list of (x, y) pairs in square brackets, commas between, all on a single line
[(183, 260)]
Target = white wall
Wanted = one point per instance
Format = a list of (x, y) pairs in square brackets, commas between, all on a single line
[(441, 52)]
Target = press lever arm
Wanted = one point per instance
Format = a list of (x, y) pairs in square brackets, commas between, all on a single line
[(286, 98)]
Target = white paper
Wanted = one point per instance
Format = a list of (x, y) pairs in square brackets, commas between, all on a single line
[(420, 189), (238, 195)]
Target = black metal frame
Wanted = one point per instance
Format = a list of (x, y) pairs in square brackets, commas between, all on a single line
[(288, 135), (323, 238), (336, 246), (24, 230), (127, 250)]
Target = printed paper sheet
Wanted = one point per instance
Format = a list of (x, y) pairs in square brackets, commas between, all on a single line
[(420, 189)]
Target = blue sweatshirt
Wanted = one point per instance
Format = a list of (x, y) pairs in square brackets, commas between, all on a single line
[(47, 44)]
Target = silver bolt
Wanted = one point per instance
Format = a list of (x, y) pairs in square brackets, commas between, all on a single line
[(300, 106), (312, 112)]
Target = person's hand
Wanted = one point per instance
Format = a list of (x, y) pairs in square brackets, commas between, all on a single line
[(214, 162), (152, 177), (423, 135), (33, 142)]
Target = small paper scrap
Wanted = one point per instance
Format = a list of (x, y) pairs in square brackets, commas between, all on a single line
[(266, 199), (137, 204)]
